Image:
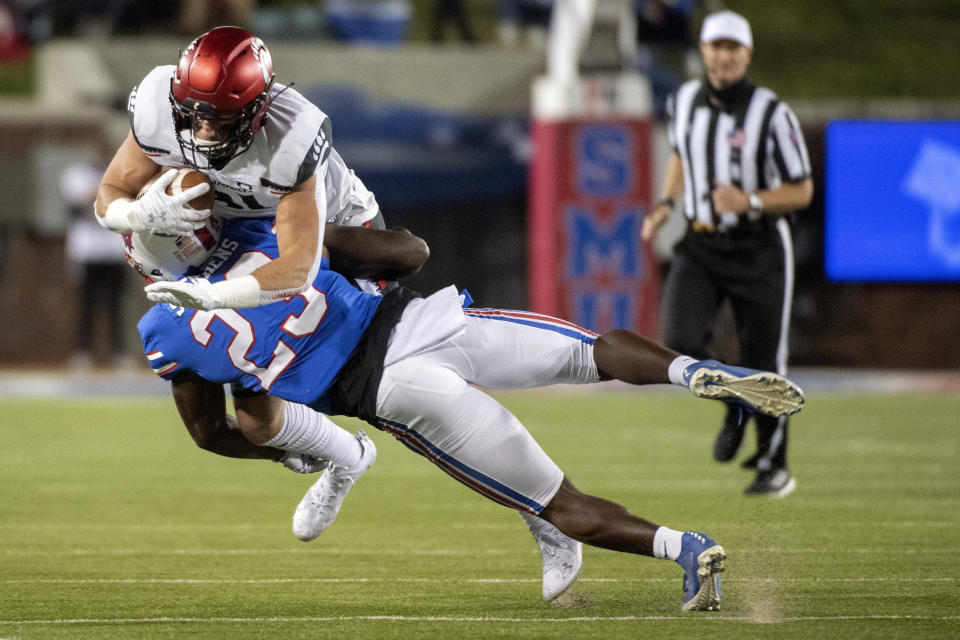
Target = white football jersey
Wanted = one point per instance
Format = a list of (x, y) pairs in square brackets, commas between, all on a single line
[(294, 144)]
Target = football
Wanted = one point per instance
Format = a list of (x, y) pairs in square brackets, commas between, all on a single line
[(185, 179), (158, 256)]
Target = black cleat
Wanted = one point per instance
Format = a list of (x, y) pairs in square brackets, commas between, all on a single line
[(751, 462), (775, 483), (728, 441)]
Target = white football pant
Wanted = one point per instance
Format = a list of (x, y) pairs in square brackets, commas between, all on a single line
[(425, 400)]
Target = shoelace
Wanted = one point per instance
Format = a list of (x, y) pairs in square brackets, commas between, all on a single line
[(550, 545), (336, 485), (338, 477), (328, 491)]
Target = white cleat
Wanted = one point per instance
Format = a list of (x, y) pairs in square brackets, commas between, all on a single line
[(303, 463), (562, 556), (320, 505)]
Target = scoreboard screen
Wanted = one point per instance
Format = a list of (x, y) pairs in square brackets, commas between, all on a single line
[(892, 201)]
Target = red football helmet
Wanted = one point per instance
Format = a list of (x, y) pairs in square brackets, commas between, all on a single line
[(222, 83)]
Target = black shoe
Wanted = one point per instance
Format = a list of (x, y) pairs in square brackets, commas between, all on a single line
[(751, 462), (728, 441), (775, 483)]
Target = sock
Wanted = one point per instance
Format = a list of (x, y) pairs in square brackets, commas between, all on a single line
[(676, 369), (538, 526), (534, 523), (667, 543), (307, 431)]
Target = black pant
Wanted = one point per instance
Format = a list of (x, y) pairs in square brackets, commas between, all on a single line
[(749, 268), (451, 11), (102, 288)]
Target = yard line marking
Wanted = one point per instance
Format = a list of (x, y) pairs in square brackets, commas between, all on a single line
[(854, 524), (167, 527), (726, 579), (243, 552), (686, 618), (946, 579), (437, 552)]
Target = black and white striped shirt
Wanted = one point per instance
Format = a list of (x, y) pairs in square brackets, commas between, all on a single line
[(753, 143)]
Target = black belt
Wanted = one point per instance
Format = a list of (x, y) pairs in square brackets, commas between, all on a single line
[(743, 228)]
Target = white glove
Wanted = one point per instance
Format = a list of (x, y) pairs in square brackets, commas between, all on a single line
[(303, 463), (196, 293), (200, 293), (157, 212)]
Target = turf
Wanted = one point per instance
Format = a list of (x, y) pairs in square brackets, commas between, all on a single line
[(113, 525)]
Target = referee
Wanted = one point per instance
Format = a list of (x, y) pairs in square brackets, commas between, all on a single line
[(739, 168)]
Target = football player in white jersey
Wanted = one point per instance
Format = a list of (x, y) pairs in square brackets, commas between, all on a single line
[(268, 152), (264, 146)]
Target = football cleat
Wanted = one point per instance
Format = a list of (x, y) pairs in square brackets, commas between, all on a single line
[(562, 556), (751, 462), (702, 561), (728, 441), (303, 462), (775, 483), (761, 391), (320, 505)]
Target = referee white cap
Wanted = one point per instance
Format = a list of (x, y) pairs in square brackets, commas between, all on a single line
[(726, 25)]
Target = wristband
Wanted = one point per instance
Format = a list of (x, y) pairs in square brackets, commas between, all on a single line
[(756, 204), (665, 201), (117, 216), (238, 293)]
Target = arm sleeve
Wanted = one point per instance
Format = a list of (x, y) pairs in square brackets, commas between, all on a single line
[(316, 155), (151, 119), (671, 108), (787, 149)]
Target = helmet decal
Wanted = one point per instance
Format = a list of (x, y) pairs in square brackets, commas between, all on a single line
[(262, 55)]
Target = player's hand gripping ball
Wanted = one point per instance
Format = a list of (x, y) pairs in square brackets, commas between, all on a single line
[(167, 205), (183, 180), (165, 256)]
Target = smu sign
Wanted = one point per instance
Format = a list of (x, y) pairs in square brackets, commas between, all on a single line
[(604, 160), (590, 188)]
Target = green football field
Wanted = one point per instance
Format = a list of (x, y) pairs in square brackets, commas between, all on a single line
[(114, 525)]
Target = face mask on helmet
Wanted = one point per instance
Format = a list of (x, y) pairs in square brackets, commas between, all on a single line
[(159, 257), (220, 95), (211, 139)]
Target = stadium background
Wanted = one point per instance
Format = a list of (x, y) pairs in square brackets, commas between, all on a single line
[(439, 133), (113, 524)]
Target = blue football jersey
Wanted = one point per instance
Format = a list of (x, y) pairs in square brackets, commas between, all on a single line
[(293, 348)]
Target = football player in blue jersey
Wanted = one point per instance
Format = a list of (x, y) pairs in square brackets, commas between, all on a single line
[(268, 152), (313, 442), (319, 444), (265, 148), (407, 365)]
